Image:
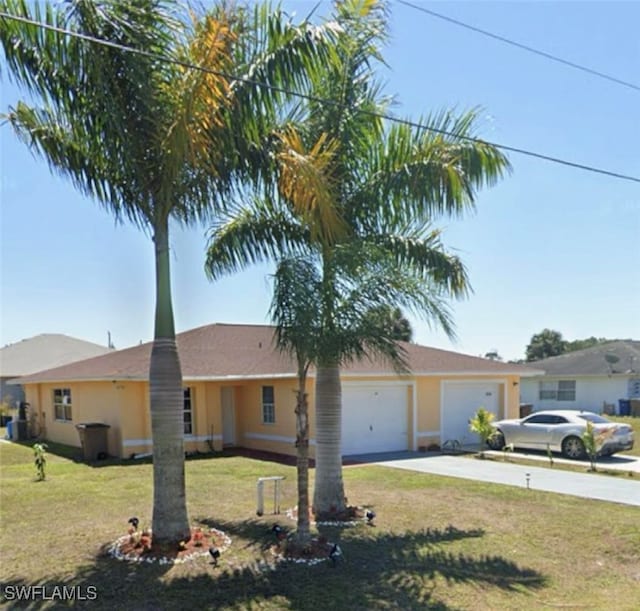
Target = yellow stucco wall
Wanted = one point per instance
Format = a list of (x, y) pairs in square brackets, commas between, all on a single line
[(124, 405), (278, 436), (90, 402)]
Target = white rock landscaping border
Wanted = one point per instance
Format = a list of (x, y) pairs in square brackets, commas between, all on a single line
[(289, 513), (114, 551)]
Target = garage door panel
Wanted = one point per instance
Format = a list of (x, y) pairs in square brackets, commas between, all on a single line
[(460, 402), (374, 419)]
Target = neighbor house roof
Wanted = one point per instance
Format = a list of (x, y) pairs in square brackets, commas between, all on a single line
[(620, 357), (224, 351), (44, 352)]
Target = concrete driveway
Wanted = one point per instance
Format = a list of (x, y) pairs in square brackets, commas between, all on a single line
[(586, 485)]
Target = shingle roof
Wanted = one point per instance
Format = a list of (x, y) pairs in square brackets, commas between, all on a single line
[(242, 351), (618, 357), (44, 352)]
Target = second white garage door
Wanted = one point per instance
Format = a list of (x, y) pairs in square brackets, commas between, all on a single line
[(374, 418), (460, 402)]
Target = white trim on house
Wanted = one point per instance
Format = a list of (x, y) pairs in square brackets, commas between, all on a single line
[(279, 438), (293, 376), (127, 443), (429, 433)]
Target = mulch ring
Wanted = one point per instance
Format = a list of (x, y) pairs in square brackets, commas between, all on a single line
[(316, 551), (137, 546)]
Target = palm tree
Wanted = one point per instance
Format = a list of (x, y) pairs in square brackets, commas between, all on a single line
[(154, 141), (397, 322), (360, 332), (360, 197)]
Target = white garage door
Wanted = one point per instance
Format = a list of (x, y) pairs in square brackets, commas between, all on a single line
[(374, 419), (460, 402)]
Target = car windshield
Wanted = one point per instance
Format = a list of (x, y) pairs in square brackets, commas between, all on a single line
[(593, 418)]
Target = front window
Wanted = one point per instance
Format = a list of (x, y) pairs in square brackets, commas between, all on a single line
[(62, 404), (561, 390), (188, 412), (268, 405)]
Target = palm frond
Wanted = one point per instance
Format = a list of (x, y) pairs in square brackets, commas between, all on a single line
[(294, 311), (428, 259), (305, 180), (421, 172), (251, 236)]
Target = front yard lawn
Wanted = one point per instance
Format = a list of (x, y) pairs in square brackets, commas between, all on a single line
[(438, 543), (635, 424)]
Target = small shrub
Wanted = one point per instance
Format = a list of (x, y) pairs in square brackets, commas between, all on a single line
[(481, 425), (549, 455), (590, 445), (40, 460), (505, 451)]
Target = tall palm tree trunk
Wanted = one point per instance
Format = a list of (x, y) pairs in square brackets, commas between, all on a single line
[(170, 521), (328, 498), (303, 532)]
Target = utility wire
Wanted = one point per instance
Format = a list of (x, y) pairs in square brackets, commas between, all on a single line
[(520, 45), (320, 100)]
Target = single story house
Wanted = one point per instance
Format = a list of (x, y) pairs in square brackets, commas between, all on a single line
[(36, 353), (240, 391), (594, 379)]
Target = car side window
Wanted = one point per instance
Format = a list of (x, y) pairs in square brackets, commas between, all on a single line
[(560, 420), (541, 419)]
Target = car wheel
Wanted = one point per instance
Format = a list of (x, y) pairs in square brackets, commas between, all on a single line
[(496, 442), (573, 447)]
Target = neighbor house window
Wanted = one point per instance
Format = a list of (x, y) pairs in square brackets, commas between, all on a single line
[(188, 412), (62, 403), (561, 390), (268, 405)]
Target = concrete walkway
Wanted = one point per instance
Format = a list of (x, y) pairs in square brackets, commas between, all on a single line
[(586, 485)]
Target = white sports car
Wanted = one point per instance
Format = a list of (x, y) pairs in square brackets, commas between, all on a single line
[(561, 431)]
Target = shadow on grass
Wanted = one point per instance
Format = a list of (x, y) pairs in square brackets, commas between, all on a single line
[(75, 453), (379, 570)]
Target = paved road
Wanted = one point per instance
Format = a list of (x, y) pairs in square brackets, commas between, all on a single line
[(586, 485)]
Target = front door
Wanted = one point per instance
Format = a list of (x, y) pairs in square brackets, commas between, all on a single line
[(228, 416)]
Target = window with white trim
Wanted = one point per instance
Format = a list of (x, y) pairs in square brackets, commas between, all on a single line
[(558, 390), (268, 405), (62, 404), (187, 412)]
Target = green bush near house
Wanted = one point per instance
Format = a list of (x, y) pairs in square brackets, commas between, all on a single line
[(481, 425)]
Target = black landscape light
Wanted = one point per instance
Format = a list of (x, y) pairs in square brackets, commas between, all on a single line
[(134, 522), (214, 552), (335, 553), (370, 515), (279, 532)]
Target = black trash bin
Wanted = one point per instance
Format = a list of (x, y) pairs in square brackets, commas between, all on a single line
[(93, 439), (20, 430), (624, 406), (525, 409)]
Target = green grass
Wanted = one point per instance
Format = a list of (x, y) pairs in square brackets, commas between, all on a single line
[(635, 424), (439, 543)]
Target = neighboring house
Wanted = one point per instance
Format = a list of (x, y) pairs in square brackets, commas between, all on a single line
[(586, 379), (37, 353), (239, 390)]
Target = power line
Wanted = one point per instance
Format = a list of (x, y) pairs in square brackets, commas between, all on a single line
[(520, 45), (320, 100)]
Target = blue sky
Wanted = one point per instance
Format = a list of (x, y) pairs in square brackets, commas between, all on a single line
[(550, 246)]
